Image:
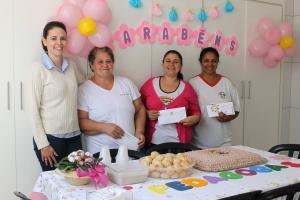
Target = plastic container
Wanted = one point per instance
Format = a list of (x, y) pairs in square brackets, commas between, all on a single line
[(168, 166), (170, 172), (134, 173)]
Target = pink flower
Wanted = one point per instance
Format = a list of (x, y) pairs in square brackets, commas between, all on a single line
[(87, 24)]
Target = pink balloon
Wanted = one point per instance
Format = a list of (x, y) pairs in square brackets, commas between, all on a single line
[(107, 18), (102, 36), (269, 62), (276, 53), (95, 9), (264, 25), (78, 3), (76, 42), (286, 29), (272, 36), (290, 52), (111, 43), (258, 47), (69, 14), (86, 49)]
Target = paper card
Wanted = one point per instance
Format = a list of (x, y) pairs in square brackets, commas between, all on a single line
[(170, 116), (130, 140), (213, 110)]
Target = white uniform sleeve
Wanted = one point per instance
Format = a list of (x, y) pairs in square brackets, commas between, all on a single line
[(235, 98), (134, 91), (82, 103)]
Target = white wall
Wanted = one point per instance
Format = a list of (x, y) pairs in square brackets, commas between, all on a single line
[(295, 80)]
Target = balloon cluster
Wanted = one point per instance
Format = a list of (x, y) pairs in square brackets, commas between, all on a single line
[(272, 43), (87, 24)]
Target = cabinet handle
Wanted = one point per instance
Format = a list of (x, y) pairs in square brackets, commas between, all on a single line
[(249, 90), (8, 95), (243, 89), (21, 95)]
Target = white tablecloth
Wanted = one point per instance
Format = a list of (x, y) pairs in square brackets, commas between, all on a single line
[(55, 187)]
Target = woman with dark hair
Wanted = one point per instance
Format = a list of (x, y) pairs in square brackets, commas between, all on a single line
[(213, 88), (54, 86), (166, 92), (109, 106)]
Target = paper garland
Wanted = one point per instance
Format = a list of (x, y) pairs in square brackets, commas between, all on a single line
[(164, 34), (187, 15)]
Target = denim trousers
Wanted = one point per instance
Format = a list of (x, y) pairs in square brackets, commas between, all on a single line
[(62, 146)]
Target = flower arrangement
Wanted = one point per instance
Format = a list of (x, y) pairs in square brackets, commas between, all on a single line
[(85, 165)]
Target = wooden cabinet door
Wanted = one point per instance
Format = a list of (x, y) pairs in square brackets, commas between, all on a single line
[(262, 84)]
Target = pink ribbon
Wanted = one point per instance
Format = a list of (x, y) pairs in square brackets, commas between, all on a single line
[(97, 175)]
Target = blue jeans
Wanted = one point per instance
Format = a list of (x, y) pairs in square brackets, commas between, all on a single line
[(62, 146)]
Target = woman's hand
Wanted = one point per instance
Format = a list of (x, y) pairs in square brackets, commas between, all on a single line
[(113, 130), (152, 114), (190, 120), (48, 156), (225, 118), (141, 138)]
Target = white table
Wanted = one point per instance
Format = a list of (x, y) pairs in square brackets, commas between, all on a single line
[(55, 188)]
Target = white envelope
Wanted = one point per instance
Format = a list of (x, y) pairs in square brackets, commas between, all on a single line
[(130, 140), (213, 110), (171, 116)]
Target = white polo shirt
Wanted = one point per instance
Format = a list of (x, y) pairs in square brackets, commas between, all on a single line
[(110, 106), (210, 132)]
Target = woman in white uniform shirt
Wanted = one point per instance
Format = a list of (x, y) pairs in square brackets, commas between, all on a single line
[(108, 105), (213, 88)]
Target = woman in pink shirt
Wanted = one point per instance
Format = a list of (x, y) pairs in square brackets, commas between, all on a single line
[(166, 92)]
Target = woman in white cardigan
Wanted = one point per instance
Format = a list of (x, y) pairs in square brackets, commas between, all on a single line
[(54, 84)]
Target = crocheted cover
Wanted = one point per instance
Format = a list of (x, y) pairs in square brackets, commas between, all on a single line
[(224, 158)]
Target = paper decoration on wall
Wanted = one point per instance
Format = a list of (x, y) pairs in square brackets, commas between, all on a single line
[(164, 35), (202, 16), (232, 46), (272, 43), (217, 40), (200, 38), (203, 12), (146, 32), (156, 10), (228, 7), (184, 33), (173, 15), (135, 3), (125, 36), (188, 15), (87, 24), (213, 12)]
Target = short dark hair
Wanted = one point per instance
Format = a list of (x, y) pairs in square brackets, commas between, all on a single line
[(50, 25), (179, 75), (209, 50), (95, 50)]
